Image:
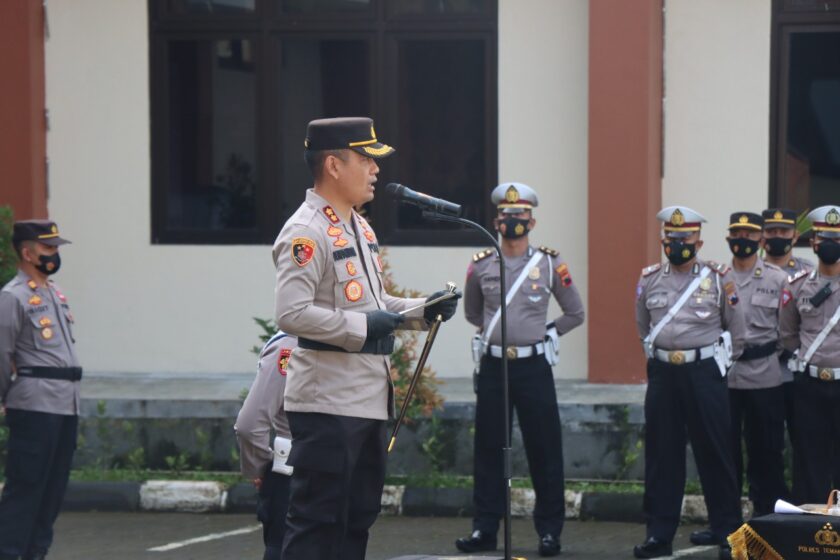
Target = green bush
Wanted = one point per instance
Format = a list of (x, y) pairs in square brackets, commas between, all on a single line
[(8, 258)]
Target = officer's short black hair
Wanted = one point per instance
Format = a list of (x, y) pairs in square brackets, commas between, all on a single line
[(315, 160)]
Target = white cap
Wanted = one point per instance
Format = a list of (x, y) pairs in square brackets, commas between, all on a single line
[(680, 221), (825, 221), (514, 197)]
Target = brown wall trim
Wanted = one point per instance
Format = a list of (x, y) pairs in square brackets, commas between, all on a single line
[(625, 163), (23, 140)]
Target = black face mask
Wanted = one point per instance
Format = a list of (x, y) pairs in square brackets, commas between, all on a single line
[(679, 252), (49, 264), (778, 246), (513, 228), (742, 247), (828, 251)]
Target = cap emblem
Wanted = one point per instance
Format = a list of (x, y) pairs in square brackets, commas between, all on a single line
[(511, 194), (54, 229), (833, 217), (743, 219), (778, 215), (677, 218)]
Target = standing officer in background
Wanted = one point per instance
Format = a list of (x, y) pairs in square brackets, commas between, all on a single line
[(691, 326), (39, 391), (780, 237), (755, 380), (330, 294), (533, 276), (261, 413), (810, 313)]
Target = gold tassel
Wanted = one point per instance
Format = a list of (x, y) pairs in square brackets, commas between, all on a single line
[(748, 545)]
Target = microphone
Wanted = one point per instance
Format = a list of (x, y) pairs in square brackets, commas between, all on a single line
[(423, 200)]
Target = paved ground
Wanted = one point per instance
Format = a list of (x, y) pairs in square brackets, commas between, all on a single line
[(130, 536)]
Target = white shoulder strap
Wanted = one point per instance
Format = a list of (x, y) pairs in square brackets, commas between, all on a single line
[(649, 340), (821, 337), (495, 319)]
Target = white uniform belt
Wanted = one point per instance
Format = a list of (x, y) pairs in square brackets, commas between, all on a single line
[(824, 373), (516, 352), (679, 357)]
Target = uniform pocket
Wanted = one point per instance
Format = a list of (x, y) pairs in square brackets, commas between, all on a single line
[(350, 288), (318, 482), (45, 331), (656, 301), (765, 310)]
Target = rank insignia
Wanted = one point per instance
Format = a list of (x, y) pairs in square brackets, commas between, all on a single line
[(786, 297), (563, 272), (791, 263), (60, 295), (35, 300), (45, 321), (369, 235), (331, 215), (32, 285), (705, 284), (340, 242), (303, 249), (534, 273), (758, 272), (353, 291), (283, 360), (46, 333), (379, 260), (351, 268), (333, 231)]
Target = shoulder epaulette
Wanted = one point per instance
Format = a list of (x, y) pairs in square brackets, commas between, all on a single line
[(720, 268), (547, 251), (797, 277), (481, 255), (651, 269), (772, 266)]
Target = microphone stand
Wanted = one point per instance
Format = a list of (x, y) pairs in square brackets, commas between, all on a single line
[(506, 450)]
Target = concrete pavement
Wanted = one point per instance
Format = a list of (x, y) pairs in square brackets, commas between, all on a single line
[(181, 536)]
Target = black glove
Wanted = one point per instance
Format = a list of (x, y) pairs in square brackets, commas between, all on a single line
[(380, 331), (445, 308), (382, 323)]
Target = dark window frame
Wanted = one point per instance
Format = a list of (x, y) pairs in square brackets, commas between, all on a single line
[(267, 27), (790, 16)]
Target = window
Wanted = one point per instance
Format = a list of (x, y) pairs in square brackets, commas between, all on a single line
[(234, 83), (805, 133)]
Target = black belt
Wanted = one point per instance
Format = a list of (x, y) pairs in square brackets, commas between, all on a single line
[(758, 351), (384, 345), (63, 373)]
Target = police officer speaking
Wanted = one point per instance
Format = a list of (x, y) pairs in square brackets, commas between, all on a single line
[(691, 328), (330, 294), (39, 390), (533, 275), (809, 315), (261, 413)]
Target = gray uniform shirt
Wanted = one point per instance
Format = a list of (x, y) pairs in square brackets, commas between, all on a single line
[(800, 321), (711, 309), (793, 266), (527, 311), (36, 329), (262, 410), (328, 275), (760, 290)]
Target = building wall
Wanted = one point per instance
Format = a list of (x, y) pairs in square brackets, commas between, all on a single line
[(716, 111), (187, 309)]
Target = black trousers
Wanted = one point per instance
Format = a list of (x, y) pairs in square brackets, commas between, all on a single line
[(40, 453), (534, 397), (690, 399), (336, 487), (272, 507), (761, 414), (817, 425)]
